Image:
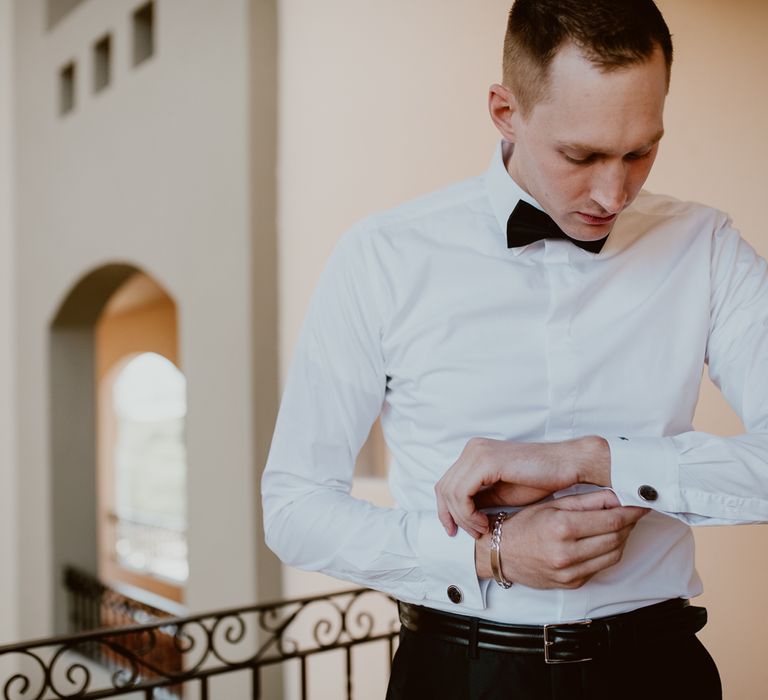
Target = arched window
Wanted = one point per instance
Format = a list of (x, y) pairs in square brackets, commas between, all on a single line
[(150, 468)]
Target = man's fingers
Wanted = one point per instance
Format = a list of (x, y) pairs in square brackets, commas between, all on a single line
[(592, 547), (444, 515), (456, 507), (580, 525), (505, 494), (475, 523), (594, 500), (579, 574), (447, 522), (466, 516), (597, 512)]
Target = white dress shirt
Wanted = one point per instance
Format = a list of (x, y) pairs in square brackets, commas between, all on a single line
[(425, 315)]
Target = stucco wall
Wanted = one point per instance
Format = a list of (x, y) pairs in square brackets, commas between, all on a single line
[(8, 531), (384, 101), (154, 171)]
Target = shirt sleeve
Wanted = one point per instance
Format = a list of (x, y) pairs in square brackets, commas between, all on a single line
[(700, 478), (334, 392)]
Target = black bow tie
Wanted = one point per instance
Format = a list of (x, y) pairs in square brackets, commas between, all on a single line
[(527, 224)]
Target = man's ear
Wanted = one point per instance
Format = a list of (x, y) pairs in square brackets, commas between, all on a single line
[(503, 107)]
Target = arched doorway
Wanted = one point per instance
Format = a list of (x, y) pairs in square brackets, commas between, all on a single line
[(141, 424), (79, 371)]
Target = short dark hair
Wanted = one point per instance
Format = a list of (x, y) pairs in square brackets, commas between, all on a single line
[(610, 33)]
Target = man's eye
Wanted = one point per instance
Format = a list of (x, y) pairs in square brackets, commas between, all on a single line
[(637, 156), (579, 161)]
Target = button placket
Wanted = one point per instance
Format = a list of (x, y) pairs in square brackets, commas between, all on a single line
[(565, 287)]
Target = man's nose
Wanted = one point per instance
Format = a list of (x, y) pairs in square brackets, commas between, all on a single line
[(609, 187)]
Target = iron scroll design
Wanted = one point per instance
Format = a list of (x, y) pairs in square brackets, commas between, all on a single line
[(169, 652)]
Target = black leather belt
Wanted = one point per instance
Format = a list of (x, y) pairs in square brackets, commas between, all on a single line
[(563, 642)]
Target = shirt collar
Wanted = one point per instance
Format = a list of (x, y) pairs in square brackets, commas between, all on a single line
[(504, 193)]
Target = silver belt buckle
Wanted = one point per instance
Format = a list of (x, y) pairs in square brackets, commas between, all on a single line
[(548, 643)]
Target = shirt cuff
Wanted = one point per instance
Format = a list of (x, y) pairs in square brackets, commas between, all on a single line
[(645, 472), (448, 564)]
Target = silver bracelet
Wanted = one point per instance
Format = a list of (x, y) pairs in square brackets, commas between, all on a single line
[(498, 576)]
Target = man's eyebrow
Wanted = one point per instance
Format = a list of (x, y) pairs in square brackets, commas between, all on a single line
[(593, 150)]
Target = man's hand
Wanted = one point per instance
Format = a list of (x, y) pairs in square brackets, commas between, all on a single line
[(561, 543), (495, 472)]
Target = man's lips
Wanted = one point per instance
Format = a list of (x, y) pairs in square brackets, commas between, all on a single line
[(596, 220)]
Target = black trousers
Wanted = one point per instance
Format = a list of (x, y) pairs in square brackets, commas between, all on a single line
[(675, 669)]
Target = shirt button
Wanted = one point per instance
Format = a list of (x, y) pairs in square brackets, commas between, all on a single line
[(454, 594), (647, 493)]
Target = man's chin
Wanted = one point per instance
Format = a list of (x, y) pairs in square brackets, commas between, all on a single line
[(582, 230)]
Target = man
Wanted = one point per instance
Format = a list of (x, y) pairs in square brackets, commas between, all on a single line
[(547, 368)]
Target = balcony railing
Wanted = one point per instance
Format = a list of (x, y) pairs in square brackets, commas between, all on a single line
[(155, 547), (162, 656)]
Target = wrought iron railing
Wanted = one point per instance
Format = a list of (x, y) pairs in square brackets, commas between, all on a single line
[(92, 604), (162, 657)]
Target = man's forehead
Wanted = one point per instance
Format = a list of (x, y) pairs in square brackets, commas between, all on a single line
[(572, 70), (591, 110)]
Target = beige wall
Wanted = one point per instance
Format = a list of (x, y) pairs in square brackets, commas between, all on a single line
[(379, 102), (8, 531), (716, 153), (383, 101), (156, 172), (150, 327)]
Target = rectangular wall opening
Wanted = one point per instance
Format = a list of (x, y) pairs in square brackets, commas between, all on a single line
[(57, 10), (143, 33), (67, 88), (102, 63)]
